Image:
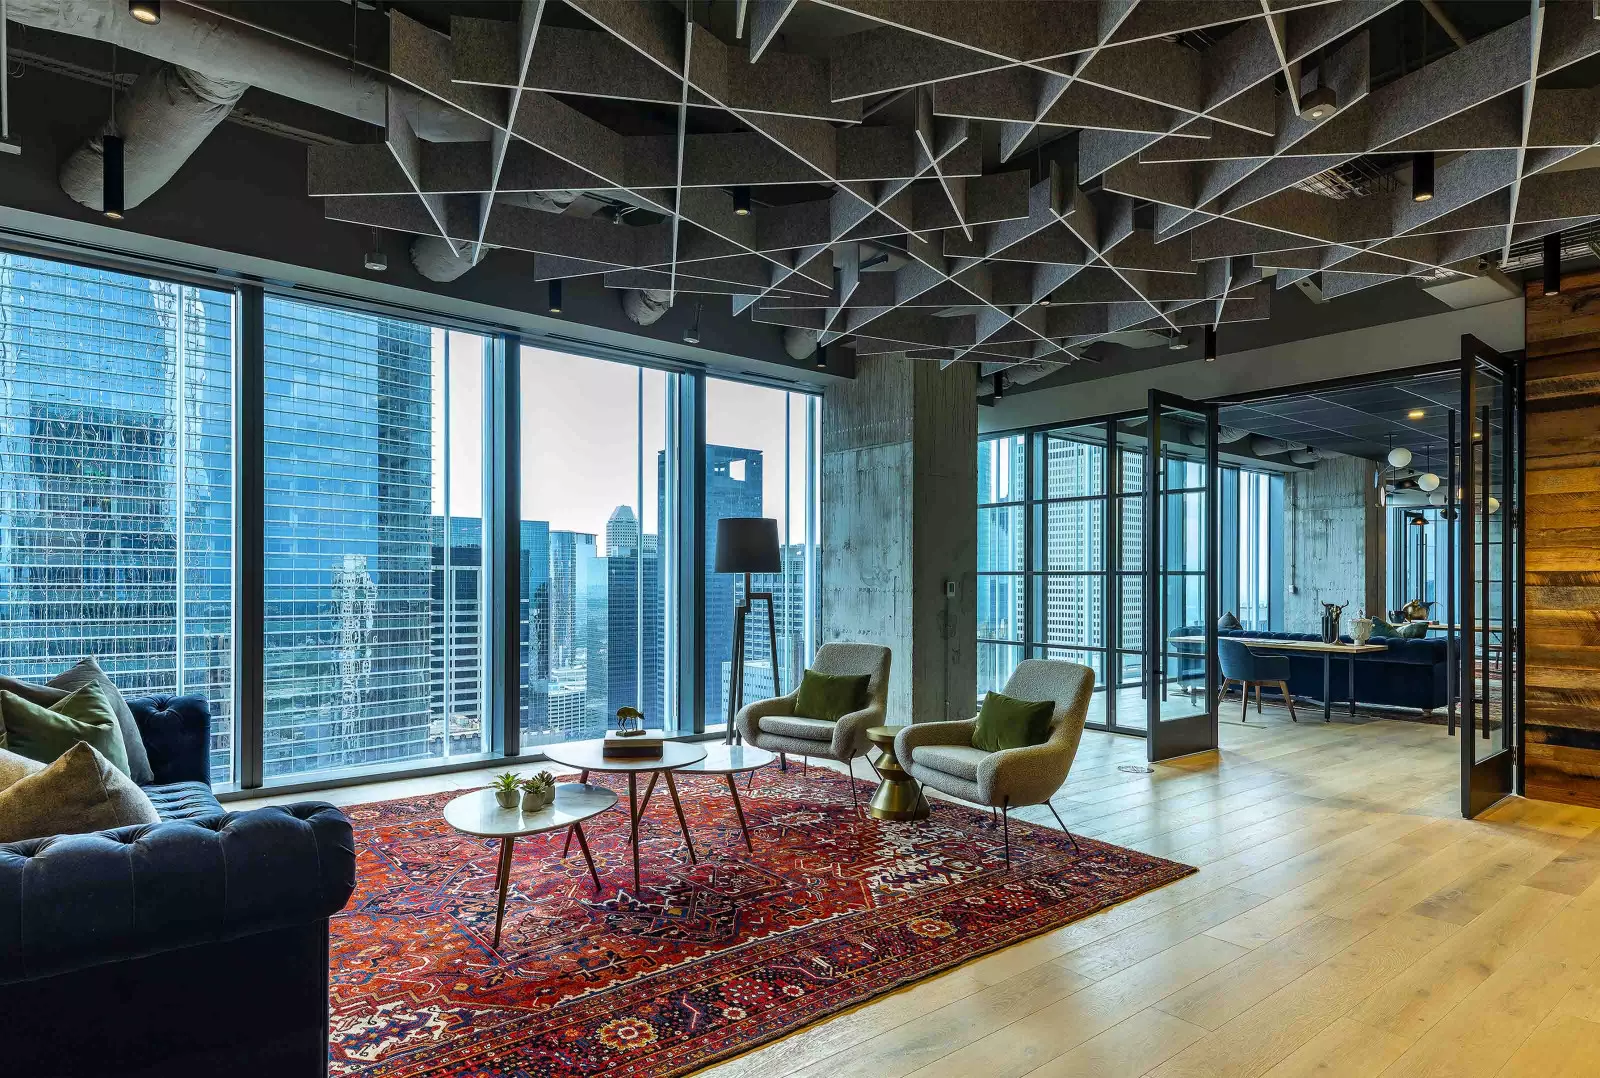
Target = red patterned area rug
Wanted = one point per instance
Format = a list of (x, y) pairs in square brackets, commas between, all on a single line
[(706, 961)]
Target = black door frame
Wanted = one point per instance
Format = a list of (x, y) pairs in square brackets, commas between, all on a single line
[(1171, 738), (1486, 782)]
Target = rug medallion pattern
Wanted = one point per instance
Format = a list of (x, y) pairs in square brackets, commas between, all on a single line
[(706, 960)]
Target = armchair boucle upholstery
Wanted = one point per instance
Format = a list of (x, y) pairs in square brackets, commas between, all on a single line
[(940, 754), (843, 740)]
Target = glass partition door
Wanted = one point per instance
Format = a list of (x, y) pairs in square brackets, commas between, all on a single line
[(1180, 576), (1487, 536)]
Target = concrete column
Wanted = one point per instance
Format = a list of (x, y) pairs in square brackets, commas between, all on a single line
[(1335, 543), (899, 527)]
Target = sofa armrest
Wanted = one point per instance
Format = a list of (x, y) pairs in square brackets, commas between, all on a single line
[(69, 902), (177, 736)]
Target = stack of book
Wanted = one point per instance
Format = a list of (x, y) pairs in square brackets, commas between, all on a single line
[(645, 746)]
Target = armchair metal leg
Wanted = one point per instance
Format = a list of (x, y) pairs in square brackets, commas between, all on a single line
[(1057, 815), (1005, 826), (783, 761), (850, 777)]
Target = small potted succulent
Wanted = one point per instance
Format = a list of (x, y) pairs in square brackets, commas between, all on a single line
[(538, 791), (508, 790)]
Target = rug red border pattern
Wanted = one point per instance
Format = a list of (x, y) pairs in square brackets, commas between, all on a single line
[(707, 960)]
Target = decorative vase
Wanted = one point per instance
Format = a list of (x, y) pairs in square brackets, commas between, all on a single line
[(1360, 630), (534, 800), (1331, 613), (508, 799)]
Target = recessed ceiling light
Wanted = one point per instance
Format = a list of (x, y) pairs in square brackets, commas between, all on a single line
[(1415, 413)]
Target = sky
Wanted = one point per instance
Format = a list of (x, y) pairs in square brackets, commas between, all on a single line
[(581, 435)]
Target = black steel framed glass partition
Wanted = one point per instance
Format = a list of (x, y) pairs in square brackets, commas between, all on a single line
[(1061, 557), (375, 540)]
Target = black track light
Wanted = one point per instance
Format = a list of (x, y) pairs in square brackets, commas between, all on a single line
[(1552, 264), (821, 359), (146, 11), (999, 385), (692, 334), (111, 176), (741, 201), (555, 296), (1421, 177), (1211, 344)]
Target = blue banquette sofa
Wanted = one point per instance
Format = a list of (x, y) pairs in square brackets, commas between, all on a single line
[(193, 946), (1408, 673)]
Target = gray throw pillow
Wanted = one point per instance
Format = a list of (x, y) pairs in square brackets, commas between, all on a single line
[(14, 767), (1228, 621), (87, 670), (79, 793)]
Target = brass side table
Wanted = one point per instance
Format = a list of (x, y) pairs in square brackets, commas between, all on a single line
[(899, 796)]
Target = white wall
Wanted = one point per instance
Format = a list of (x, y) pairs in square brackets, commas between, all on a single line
[(1375, 350)]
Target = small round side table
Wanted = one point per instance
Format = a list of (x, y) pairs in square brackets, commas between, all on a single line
[(477, 813), (899, 796), (728, 761)]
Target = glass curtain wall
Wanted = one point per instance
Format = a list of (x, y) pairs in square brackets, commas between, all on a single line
[(380, 650), (595, 553), (762, 447), (116, 482), (373, 508), (1061, 557)]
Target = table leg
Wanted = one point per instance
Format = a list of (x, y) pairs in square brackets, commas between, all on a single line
[(650, 788), (566, 847), (502, 881), (733, 788), (1327, 686), (683, 825), (583, 844), (1352, 686), (633, 830)]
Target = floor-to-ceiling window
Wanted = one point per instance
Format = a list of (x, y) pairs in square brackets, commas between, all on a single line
[(382, 464), (116, 481), (1002, 558), (761, 461), (596, 548), (373, 548)]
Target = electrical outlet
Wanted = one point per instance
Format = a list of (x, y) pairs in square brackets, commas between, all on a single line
[(949, 589)]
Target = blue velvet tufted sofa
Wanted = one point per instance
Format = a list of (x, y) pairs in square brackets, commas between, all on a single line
[(194, 946), (1408, 673)]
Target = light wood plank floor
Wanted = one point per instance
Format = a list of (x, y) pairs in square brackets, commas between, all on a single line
[(1345, 922)]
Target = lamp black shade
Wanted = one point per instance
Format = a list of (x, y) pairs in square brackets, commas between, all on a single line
[(747, 545), (1552, 264), (111, 177), (1421, 177), (555, 297), (1211, 343)]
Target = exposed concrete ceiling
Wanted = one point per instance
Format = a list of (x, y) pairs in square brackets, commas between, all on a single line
[(1010, 182)]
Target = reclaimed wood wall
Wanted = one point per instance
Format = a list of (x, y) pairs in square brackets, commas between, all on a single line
[(1562, 529)]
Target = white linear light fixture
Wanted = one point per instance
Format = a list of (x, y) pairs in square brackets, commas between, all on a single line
[(1190, 191)]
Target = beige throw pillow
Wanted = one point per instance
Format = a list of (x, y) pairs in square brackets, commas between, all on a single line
[(14, 767), (79, 793)]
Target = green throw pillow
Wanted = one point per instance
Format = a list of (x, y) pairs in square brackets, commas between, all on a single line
[(828, 696), (1381, 628), (45, 733), (1008, 723)]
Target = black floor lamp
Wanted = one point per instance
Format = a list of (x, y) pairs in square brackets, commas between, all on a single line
[(747, 545)]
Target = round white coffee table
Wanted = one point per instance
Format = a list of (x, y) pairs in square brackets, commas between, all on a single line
[(587, 756), (728, 761), (478, 813)]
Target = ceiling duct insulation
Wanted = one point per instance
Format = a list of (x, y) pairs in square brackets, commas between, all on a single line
[(1308, 455), (225, 49), (646, 306), (162, 121), (800, 343), (1273, 447), (436, 260)]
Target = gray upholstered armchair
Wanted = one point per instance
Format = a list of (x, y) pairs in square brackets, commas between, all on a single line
[(940, 754), (773, 725)]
